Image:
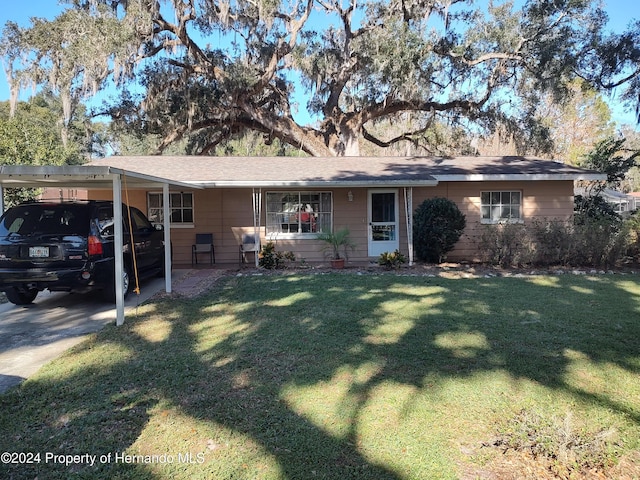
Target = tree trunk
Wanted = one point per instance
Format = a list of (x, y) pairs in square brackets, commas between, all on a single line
[(350, 142)]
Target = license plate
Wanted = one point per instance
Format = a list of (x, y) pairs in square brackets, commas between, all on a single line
[(38, 252)]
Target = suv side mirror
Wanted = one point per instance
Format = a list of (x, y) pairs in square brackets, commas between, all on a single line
[(158, 226)]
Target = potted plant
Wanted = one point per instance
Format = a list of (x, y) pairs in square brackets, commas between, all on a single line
[(337, 245)]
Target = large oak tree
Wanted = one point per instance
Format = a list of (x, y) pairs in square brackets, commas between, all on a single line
[(206, 70)]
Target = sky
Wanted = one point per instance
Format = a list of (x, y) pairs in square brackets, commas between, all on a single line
[(620, 12)]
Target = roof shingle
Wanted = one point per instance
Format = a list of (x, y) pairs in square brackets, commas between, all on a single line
[(347, 171)]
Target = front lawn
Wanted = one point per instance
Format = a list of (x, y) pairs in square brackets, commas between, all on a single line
[(346, 376)]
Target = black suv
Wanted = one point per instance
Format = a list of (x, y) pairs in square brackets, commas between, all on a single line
[(69, 247)]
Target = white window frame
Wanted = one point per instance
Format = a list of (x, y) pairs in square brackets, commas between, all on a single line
[(320, 221), (152, 216), (500, 204)]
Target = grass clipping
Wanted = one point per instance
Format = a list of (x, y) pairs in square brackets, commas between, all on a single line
[(556, 445)]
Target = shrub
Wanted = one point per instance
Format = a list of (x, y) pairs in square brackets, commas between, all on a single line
[(598, 242), (592, 242), (270, 259), (505, 244), (391, 259), (553, 242), (437, 226), (632, 227)]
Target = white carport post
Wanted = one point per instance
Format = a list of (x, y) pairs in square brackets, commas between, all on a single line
[(1, 199), (257, 211), (166, 220), (408, 212), (118, 242)]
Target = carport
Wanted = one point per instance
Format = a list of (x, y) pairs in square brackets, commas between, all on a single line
[(97, 177)]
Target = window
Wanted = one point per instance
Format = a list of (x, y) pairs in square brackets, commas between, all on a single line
[(501, 206), (299, 212), (180, 206), (45, 219), (139, 222)]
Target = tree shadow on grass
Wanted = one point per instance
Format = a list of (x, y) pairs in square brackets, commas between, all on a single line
[(64, 416), (239, 358), (306, 336)]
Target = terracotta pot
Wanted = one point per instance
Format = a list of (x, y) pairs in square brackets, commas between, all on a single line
[(337, 263)]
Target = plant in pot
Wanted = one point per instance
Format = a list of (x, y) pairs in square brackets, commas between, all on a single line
[(337, 246)]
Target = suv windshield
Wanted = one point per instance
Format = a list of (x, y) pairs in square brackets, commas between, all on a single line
[(49, 219)]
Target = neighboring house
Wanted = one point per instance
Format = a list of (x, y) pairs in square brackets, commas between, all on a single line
[(289, 200), (635, 200), (621, 202)]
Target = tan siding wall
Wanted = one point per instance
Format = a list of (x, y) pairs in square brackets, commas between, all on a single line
[(541, 200), (352, 215), (228, 212)]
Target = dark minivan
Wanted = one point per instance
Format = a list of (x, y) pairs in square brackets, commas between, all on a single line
[(69, 247)]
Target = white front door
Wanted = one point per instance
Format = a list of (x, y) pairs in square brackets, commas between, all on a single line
[(383, 221)]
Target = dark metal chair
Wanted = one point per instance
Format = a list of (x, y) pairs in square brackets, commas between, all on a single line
[(204, 244)]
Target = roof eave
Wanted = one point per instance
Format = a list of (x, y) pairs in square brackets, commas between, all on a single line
[(479, 177), (317, 183)]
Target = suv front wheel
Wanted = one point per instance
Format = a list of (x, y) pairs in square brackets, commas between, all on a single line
[(21, 297)]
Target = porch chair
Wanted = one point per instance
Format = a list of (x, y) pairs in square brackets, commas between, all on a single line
[(250, 243), (204, 244)]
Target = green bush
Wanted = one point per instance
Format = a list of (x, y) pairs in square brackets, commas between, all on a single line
[(632, 227), (552, 242), (270, 259), (505, 244), (438, 224), (599, 243), (391, 259), (593, 242)]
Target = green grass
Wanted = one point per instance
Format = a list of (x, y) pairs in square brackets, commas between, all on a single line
[(344, 376)]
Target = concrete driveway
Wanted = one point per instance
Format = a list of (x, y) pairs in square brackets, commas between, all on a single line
[(33, 335)]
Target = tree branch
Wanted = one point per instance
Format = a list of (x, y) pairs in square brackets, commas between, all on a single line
[(407, 136), (283, 48)]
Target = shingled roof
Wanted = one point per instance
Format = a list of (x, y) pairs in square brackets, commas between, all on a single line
[(344, 171)]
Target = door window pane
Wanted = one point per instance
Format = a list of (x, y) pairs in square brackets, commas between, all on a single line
[(383, 233), (383, 208)]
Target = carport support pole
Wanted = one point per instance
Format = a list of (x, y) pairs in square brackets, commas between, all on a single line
[(408, 212), (118, 240), (1, 199), (257, 213), (167, 237)]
